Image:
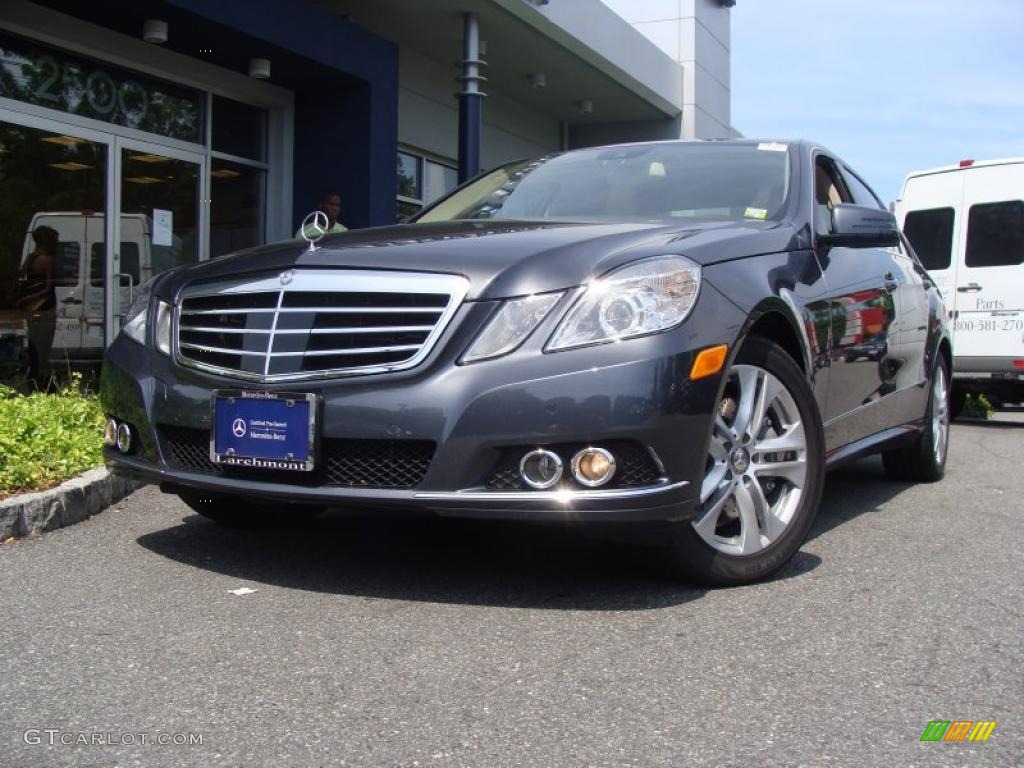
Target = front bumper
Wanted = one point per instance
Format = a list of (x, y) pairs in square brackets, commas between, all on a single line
[(476, 416)]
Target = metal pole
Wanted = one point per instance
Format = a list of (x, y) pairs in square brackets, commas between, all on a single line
[(470, 99)]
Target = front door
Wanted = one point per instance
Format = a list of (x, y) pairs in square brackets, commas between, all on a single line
[(162, 217)]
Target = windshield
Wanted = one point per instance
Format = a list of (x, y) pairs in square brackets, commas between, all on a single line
[(648, 182)]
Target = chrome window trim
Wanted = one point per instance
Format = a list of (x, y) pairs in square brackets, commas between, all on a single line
[(455, 287)]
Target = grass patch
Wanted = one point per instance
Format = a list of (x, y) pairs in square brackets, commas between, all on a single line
[(48, 437)]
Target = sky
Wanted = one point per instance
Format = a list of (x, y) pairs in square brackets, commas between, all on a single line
[(890, 86)]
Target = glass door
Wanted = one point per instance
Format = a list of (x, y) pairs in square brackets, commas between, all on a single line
[(163, 223), (53, 191)]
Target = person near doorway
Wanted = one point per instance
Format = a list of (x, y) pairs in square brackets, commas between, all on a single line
[(37, 298), (330, 204)]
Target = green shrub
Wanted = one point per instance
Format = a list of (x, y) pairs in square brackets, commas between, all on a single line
[(977, 406), (47, 438)]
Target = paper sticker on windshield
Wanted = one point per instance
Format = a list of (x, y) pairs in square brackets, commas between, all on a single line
[(772, 146), (755, 213)]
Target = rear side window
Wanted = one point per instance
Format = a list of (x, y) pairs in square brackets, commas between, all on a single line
[(995, 234), (65, 268), (931, 235), (862, 194)]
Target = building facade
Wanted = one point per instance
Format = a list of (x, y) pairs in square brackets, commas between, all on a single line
[(205, 127)]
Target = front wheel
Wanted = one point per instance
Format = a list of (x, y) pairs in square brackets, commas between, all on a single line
[(247, 514), (763, 475)]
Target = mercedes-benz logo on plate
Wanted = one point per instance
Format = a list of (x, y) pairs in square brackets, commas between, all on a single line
[(314, 227), (239, 427), (287, 276)]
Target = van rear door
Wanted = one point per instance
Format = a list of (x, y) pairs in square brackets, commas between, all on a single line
[(990, 275)]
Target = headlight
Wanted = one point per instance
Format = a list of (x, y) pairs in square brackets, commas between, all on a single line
[(650, 296), (163, 327), (509, 328), (135, 321)]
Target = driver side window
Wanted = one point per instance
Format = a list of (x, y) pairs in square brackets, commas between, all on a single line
[(829, 191)]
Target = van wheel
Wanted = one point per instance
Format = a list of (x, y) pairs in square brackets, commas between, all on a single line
[(925, 459), (248, 514), (763, 477)]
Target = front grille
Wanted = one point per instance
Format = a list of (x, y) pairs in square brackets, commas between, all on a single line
[(306, 324), (344, 463), (634, 466)]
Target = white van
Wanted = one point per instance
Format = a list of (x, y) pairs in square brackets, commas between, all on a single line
[(80, 270), (966, 223)]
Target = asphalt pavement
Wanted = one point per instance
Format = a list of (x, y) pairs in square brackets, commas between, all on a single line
[(368, 641)]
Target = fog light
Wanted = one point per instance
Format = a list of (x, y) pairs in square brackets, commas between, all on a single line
[(124, 438), (540, 469), (593, 467), (110, 433)]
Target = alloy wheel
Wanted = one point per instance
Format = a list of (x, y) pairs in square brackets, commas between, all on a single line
[(756, 467), (940, 415)]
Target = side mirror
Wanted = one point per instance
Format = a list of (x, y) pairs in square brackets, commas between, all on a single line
[(861, 226)]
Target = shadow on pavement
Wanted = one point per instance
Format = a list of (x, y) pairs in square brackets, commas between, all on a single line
[(431, 559), (853, 490)]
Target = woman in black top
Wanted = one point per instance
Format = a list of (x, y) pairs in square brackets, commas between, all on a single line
[(38, 297)]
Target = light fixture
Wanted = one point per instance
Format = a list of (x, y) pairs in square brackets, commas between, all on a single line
[(259, 68), (538, 80), (154, 31), (144, 180), (586, 107), (67, 141), (224, 173), (150, 158), (71, 165)]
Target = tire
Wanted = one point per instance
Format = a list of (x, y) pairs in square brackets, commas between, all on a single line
[(756, 506), (924, 460), (248, 514)]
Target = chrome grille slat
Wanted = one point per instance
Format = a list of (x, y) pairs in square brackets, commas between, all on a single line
[(339, 322), (323, 310)]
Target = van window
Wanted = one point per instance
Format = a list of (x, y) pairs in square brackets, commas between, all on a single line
[(931, 235), (129, 262), (65, 268), (995, 234)]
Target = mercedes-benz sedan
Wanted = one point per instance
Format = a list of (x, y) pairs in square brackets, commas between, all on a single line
[(680, 336)]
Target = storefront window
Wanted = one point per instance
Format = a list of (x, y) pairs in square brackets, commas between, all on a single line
[(52, 193), (49, 77), (239, 129), (421, 181), (237, 203)]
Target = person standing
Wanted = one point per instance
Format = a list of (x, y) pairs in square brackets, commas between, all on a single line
[(37, 297), (330, 205)]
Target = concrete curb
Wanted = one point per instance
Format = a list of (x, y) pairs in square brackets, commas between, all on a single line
[(69, 503)]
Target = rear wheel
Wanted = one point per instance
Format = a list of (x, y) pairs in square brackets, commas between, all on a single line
[(925, 459), (763, 476), (242, 513)]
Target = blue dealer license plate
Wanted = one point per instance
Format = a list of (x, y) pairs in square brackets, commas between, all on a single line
[(263, 430)]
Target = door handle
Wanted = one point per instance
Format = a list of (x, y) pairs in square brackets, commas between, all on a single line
[(968, 288), (70, 300), (890, 282)]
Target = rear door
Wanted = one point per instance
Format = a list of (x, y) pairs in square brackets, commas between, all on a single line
[(930, 217), (990, 275)]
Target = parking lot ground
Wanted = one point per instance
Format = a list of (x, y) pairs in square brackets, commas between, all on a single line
[(396, 642)]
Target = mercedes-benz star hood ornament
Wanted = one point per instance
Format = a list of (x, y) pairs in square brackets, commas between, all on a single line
[(314, 227)]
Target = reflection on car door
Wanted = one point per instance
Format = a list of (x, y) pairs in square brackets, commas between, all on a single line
[(863, 286)]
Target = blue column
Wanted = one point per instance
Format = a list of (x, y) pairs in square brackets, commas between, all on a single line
[(470, 100)]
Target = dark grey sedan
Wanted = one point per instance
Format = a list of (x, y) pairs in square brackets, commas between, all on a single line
[(681, 336)]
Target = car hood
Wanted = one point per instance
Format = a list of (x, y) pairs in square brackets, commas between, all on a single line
[(503, 258)]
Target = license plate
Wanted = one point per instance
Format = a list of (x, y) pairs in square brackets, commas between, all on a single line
[(263, 430)]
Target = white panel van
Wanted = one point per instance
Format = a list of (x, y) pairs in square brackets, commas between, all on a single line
[(79, 275), (966, 223)]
